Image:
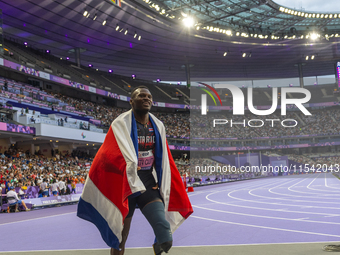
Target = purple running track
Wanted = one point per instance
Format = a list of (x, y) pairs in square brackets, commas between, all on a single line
[(289, 209)]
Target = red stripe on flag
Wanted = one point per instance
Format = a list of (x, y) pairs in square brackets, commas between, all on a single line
[(179, 200), (108, 173)]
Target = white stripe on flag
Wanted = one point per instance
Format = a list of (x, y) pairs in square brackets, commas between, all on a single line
[(121, 129), (105, 207), (174, 218)]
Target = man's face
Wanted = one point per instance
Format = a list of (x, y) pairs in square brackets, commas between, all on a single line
[(141, 100)]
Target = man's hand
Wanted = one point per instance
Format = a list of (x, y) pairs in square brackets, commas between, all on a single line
[(139, 168), (156, 187)]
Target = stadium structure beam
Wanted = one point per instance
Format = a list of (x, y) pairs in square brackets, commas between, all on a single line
[(237, 11), (77, 56), (187, 74), (336, 74), (300, 75)]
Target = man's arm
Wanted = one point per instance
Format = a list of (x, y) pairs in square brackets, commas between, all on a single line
[(16, 196)]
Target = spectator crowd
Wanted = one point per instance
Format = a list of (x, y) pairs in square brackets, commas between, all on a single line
[(51, 175), (184, 125)]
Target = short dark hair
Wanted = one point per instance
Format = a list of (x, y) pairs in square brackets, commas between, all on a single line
[(139, 87)]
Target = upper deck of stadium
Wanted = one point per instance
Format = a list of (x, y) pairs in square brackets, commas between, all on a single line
[(148, 39)]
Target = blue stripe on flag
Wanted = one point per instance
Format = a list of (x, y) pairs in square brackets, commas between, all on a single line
[(134, 135), (158, 153), (87, 212)]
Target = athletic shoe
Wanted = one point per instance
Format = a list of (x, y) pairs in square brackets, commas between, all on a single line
[(166, 246), (28, 210), (157, 249)]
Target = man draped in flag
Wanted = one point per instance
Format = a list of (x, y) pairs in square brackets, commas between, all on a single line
[(133, 167)]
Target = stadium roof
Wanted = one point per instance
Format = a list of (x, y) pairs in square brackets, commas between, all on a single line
[(236, 38)]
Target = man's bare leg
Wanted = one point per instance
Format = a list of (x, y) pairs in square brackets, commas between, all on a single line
[(125, 233), (23, 203)]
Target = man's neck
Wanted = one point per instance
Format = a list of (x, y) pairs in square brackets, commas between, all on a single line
[(141, 118)]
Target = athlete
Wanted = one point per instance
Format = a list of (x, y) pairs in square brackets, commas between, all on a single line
[(134, 167), (149, 202)]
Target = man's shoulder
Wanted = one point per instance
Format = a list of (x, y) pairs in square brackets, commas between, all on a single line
[(11, 192), (156, 120), (122, 117)]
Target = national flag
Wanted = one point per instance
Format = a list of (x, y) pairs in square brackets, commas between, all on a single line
[(113, 177)]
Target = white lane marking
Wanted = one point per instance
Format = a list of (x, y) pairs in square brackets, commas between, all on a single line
[(268, 217), (217, 189), (268, 209), (265, 227), (308, 186), (331, 184), (181, 246), (299, 182), (261, 202), (207, 197), (312, 181), (13, 222), (97, 249), (270, 190), (232, 189), (320, 190), (257, 244), (295, 200), (323, 196), (295, 191)]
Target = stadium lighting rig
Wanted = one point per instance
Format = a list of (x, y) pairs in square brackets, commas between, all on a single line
[(309, 14), (160, 10), (243, 30), (104, 22), (188, 21), (310, 57)]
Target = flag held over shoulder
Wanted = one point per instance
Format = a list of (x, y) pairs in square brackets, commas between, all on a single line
[(113, 177)]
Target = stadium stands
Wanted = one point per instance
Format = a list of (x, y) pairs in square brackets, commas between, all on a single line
[(322, 122), (32, 105)]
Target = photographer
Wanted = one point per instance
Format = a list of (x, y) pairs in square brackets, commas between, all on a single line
[(12, 198)]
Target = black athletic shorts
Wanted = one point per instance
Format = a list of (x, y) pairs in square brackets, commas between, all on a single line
[(148, 196)]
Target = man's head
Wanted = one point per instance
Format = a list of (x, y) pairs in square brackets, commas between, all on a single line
[(141, 100)]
